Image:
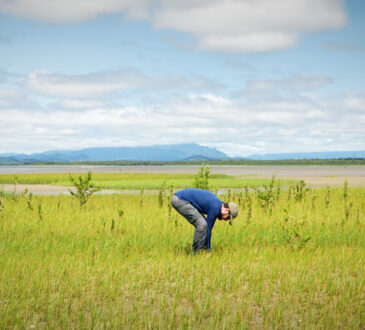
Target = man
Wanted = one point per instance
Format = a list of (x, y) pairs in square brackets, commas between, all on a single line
[(193, 203)]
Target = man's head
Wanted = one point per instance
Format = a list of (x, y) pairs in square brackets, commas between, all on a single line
[(229, 211)]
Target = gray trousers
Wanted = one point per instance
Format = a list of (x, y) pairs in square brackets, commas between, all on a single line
[(190, 213)]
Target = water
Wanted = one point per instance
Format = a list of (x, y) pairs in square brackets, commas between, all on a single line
[(265, 170)]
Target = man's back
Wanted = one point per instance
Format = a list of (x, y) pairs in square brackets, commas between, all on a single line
[(205, 201)]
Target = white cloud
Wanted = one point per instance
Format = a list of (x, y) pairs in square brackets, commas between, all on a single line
[(218, 25), (96, 84), (211, 98), (88, 85), (248, 42), (64, 111), (355, 102), (75, 104), (312, 124), (14, 98), (66, 11)]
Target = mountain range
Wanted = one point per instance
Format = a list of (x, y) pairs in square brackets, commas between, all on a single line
[(172, 152), (177, 152)]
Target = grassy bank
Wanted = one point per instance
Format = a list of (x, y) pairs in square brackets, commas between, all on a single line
[(293, 259), (139, 180)]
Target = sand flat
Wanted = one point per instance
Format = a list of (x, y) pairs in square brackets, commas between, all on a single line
[(314, 176)]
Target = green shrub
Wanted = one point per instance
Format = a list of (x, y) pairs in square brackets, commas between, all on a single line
[(84, 188)]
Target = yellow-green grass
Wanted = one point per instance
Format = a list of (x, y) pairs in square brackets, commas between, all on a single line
[(98, 267), (138, 180)]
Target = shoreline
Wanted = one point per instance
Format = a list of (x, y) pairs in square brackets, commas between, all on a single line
[(315, 176)]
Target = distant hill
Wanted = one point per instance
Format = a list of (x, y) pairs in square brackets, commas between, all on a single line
[(309, 155), (175, 152), (8, 161)]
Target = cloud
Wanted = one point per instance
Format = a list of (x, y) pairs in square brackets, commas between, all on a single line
[(100, 83), (45, 110), (248, 42), (309, 124), (66, 11), (223, 26), (294, 83), (11, 98), (355, 102), (78, 86), (211, 98), (79, 104)]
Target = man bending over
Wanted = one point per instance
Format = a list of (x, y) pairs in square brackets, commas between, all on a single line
[(201, 208)]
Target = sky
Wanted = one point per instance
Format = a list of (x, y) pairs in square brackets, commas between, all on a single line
[(242, 76)]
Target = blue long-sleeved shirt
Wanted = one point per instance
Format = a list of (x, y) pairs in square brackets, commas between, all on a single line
[(206, 203)]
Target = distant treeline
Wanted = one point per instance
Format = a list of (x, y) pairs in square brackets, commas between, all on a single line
[(337, 161)]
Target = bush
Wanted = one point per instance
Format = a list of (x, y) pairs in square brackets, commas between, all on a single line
[(84, 188), (201, 179)]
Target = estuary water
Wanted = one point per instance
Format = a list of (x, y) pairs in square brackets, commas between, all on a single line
[(264, 170)]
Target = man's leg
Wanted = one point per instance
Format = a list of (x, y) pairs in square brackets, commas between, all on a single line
[(190, 213)]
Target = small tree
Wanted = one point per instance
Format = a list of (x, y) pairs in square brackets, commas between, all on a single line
[(267, 195), (300, 190), (201, 179), (84, 188)]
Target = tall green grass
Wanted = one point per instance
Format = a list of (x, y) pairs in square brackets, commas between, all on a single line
[(123, 262), (138, 180)]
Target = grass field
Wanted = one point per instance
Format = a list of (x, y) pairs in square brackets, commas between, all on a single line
[(139, 180), (293, 259)]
